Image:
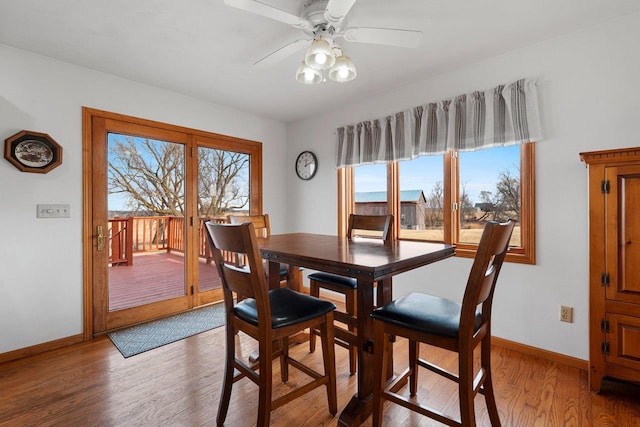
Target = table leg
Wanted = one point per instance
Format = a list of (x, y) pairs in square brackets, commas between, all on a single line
[(295, 278), (384, 297), (273, 274), (360, 406), (294, 273)]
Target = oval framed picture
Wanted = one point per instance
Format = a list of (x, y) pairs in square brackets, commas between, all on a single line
[(33, 152)]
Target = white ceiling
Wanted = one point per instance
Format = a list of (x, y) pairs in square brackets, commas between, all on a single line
[(206, 49)]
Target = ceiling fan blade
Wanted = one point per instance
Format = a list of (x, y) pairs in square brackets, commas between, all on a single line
[(385, 36), (282, 53), (255, 6), (337, 10)]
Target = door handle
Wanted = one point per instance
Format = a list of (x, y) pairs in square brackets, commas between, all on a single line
[(100, 237)]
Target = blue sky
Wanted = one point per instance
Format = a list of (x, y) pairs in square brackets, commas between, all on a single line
[(479, 171)]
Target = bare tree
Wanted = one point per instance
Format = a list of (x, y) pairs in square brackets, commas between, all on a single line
[(222, 181), (508, 188), (434, 216), (505, 202), (467, 210), (151, 174)]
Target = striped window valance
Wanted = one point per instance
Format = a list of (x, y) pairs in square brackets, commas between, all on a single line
[(505, 115)]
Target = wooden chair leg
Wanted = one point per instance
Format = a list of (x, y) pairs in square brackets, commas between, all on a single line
[(353, 360), (265, 383), (380, 354), (465, 387), (314, 291), (414, 354), (284, 360), (329, 357), (227, 382), (489, 396)]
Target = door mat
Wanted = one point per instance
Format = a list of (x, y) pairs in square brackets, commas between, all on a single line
[(141, 338)]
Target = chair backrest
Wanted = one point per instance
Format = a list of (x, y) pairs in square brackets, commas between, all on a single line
[(248, 282), (478, 295), (376, 226), (260, 223)]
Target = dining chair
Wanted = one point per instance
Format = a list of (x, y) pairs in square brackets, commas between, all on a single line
[(366, 226), (263, 230), (269, 317), (447, 324)]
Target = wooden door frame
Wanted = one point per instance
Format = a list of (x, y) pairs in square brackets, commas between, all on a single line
[(89, 236)]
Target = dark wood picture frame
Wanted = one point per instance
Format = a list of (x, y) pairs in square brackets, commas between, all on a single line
[(33, 152)]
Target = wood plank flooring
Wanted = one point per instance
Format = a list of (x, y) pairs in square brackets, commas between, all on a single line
[(91, 384)]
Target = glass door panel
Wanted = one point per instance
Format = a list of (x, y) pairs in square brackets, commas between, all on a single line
[(146, 221), (223, 187)]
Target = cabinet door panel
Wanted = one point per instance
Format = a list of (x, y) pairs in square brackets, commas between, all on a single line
[(624, 340), (622, 208)]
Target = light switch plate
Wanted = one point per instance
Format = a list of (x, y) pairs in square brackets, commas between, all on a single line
[(54, 211)]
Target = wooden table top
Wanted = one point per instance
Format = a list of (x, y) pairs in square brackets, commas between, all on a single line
[(368, 259)]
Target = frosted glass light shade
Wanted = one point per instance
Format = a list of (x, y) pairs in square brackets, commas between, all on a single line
[(307, 75), (320, 54), (343, 70)]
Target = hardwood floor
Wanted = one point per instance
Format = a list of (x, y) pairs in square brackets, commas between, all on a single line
[(91, 384)]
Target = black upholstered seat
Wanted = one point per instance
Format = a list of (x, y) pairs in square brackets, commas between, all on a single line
[(287, 308), (423, 312), (334, 279)]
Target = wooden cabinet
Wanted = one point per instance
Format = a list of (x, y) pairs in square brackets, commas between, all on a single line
[(614, 264)]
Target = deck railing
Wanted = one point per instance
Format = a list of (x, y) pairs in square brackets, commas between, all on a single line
[(120, 241), (152, 233)]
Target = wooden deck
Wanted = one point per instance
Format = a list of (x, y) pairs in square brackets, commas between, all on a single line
[(154, 276)]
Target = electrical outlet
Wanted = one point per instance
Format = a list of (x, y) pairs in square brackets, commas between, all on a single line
[(566, 314)]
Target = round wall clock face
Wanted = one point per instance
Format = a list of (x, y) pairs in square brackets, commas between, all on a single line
[(306, 165)]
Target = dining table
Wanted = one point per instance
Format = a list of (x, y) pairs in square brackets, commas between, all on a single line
[(373, 263)]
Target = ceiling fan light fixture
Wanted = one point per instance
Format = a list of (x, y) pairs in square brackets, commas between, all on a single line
[(320, 54), (343, 70), (325, 21), (308, 75)]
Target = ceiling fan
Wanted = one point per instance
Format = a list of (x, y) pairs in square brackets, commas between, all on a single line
[(323, 21)]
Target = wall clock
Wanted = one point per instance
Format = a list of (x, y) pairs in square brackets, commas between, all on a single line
[(306, 165), (33, 152)]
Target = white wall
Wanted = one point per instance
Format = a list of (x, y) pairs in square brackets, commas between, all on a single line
[(590, 100), (41, 259)]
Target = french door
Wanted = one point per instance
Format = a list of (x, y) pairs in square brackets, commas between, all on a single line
[(149, 187)]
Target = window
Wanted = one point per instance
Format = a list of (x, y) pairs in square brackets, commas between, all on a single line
[(422, 198), (448, 198), (370, 189)]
